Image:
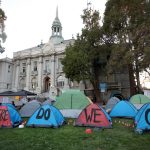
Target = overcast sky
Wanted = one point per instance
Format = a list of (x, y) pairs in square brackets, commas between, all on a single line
[(29, 21)]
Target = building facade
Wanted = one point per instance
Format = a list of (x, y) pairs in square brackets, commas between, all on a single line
[(39, 69)]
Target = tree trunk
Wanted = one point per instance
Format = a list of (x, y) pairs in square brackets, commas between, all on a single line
[(137, 77), (96, 84), (132, 80)]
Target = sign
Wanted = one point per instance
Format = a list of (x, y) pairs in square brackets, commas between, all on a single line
[(103, 87)]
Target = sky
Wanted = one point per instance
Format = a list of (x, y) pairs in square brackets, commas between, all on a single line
[(29, 21)]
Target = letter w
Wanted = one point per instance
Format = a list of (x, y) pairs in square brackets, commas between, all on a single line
[(88, 117)]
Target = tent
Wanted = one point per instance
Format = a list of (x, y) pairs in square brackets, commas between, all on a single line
[(46, 116), (142, 119), (94, 116), (111, 103), (9, 117), (71, 102), (48, 101), (5, 99), (117, 94), (8, 104), (139, 99), (123, 109), (29, 108)]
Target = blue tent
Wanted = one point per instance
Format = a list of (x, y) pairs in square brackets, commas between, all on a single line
[(123, 109), (9, 104), (142, 119), (9, 117), (46, 116)]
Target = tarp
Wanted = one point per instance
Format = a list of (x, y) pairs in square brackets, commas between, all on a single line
[(123, 109), (94, 116), (24, 93), (111, 103), (46, 116), (142, 119), (29, 108), (7, 93), (139, 99), (9, 117), (71, 103), (19, 93)]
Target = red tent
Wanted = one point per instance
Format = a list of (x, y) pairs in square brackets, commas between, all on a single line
[(94, 116), (5, 117)]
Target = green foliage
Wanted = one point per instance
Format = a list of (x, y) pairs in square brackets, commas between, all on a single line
[(87, 57), (127, 24), (2, 25)]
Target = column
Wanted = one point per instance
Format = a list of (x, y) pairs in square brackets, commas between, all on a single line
[(40, 69), (17, 74), (53, 90), (53, 71), (28, 74)]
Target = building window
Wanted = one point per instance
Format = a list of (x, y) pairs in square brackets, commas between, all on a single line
[(47, 66), (60, 81), (9, 68), (60, 66), (60, 84), (35, 66), (23, 67)]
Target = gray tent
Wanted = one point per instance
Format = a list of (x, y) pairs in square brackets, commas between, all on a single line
[(111, 103), (29, 108)]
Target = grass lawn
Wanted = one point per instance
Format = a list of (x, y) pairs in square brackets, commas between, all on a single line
[(69, 137)]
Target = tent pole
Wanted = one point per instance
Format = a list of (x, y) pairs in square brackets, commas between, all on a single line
[(71, 101)]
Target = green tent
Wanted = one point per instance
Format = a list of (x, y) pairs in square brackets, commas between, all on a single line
[(139, 99), (72, 99)]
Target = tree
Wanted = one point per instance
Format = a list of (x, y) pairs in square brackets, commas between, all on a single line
[(88, 55), (2, 27), (127, 24)]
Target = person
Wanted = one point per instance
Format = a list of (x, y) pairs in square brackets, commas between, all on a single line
[(29, 99), (13, 103)]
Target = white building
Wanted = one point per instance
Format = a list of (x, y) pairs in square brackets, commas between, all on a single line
[(6, 71), (38, 69)]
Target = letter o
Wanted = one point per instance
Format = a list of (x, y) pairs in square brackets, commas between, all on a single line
[(47, 114)]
